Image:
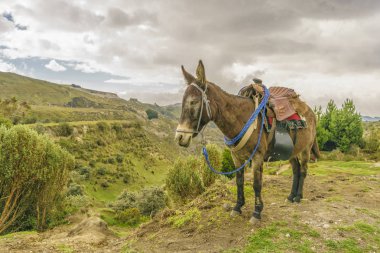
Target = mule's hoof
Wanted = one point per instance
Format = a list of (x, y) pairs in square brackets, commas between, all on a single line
[(254, 221), (235, 213), (297, 199), (290, 198)]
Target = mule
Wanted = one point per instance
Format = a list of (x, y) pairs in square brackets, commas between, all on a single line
[(230, 113)]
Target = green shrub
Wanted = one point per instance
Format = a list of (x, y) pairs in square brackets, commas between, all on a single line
[(103, 126), (85, 172), (124, 201), (74, 189), (101, 171), (208, 176), (104, 184), (152, 114), (183, 179), (151, 200), (119, 158), (227, 162), (5, 122), (33, 174), (372, 143), (64, 129), (130, 216)]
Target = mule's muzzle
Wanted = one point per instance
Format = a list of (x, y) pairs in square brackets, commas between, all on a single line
[(183, 137)]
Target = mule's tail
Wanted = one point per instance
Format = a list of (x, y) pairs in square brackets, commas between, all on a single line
[(315, 149)]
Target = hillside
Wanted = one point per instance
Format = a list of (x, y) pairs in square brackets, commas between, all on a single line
[(338, 214)]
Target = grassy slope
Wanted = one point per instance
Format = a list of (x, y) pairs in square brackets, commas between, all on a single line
[(338, 214)]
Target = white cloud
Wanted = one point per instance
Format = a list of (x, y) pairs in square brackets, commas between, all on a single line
[(117, 81), (86, 68), (55, 66), (7, 67)]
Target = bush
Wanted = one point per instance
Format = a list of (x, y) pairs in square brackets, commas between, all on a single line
[(119, 158), (152, 114), (85, 172), (208, 176), (64, 129), (74, 190), (151, 200), (372, 143), (103, 126), (5, 122), (33, 173), (227, 162), (101, 171), (183, 180), (124, 201), (130, 216)]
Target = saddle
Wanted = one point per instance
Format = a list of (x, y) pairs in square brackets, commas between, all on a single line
[(279, 99)]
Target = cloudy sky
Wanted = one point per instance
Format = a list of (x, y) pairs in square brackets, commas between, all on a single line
[(323, 48)]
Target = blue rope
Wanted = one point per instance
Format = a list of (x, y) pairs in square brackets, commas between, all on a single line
[(262, 105), (205, 154)]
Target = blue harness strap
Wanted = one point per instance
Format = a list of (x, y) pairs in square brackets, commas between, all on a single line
[(260, 109)]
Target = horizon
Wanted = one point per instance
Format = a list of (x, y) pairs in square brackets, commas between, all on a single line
[(323, 50)]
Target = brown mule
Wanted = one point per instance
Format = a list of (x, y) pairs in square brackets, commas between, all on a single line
[(230, 113)]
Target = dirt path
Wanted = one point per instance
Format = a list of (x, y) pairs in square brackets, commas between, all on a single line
[(331, 204)]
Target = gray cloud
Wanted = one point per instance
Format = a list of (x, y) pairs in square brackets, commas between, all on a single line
[(321, 48)]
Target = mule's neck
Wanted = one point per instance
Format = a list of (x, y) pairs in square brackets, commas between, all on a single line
[(230, 112)]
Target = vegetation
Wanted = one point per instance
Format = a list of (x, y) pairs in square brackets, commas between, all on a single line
[(339, 128), (208, 176), (183, 180), (13, 110), (152, 114), (33, 173), (227, 162)]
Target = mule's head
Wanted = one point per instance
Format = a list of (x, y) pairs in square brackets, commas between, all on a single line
[(194, 116)]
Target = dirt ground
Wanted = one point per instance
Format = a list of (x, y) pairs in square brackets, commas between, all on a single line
[(332, 204)]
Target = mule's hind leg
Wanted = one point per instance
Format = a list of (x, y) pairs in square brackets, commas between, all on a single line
[(296, 178), (305, 157)]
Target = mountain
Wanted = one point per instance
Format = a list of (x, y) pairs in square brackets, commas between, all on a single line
[(370, 119)]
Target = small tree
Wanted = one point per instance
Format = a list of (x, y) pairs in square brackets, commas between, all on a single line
[(339, 128), (33, 173), (152, 114)]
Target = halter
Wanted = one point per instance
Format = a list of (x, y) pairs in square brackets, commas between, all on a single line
[(205, 102)]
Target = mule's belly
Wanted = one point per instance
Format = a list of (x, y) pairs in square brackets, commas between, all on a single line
[(283, 146)]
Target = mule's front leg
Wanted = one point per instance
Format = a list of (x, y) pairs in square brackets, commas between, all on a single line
[(257, 186), (240, 193)]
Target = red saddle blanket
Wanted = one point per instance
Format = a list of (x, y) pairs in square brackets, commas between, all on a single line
[(292, 117)]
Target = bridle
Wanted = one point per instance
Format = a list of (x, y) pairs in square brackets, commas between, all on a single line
[(206, 104)]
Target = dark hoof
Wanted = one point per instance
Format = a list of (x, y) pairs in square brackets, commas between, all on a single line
[(291, 198), (256, 215), (297, 199)]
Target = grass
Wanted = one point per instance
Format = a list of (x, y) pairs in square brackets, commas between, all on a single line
[(282, 237), (65, 248), (17, 234), (181, 219), (324, 168)]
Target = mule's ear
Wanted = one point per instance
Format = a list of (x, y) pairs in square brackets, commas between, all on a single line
[(189, 78), (201, 74)]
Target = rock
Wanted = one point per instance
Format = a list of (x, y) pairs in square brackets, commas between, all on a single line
[(326, 226), (287, 235)]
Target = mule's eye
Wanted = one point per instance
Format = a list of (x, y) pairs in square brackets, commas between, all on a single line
[(193, 102)]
